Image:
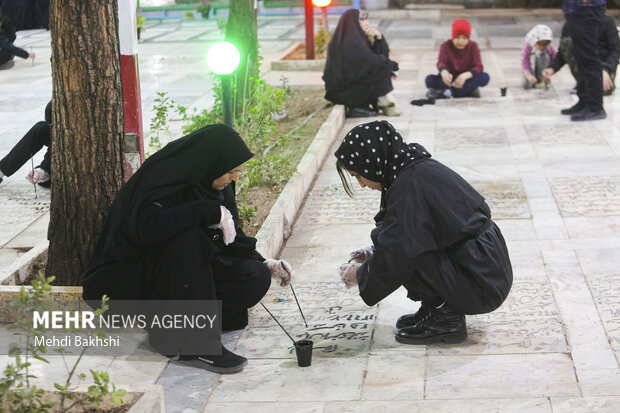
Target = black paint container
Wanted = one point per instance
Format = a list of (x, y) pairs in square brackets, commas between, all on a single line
[(303, 349)]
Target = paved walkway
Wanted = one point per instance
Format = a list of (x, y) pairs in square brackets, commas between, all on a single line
[(553, 186)]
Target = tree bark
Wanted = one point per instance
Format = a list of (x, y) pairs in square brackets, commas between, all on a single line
[(87, 130), (241, 31)]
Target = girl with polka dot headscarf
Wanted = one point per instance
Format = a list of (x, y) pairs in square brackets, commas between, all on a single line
[(434, 236)]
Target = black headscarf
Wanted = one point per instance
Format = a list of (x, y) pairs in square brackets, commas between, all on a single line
[(184, 168), (377, 152), (354, 74)]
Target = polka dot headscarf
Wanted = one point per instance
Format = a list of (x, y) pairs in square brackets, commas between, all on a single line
[(377, 152)]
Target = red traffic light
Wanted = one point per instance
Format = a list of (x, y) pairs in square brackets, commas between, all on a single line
[(322, 3)]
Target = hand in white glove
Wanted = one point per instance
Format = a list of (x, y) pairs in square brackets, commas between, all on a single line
[(362, 254), (348, 273), (37, 175), (280, 269), (227, 224)]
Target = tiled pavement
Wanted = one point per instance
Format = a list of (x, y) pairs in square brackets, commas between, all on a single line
[(553, 186)]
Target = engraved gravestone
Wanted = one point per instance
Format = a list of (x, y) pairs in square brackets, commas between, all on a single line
[(587, 195)]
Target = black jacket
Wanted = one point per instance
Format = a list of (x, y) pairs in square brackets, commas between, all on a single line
[(430, 209)]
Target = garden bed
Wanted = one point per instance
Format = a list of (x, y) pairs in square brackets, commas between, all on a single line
[(294, 59), (303, 102)]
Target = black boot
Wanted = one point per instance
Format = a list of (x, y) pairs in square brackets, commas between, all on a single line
[(440, 324), (409, 320)]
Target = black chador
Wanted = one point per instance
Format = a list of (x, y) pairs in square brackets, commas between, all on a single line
[(356, 72), (434, 233), (157, 243)]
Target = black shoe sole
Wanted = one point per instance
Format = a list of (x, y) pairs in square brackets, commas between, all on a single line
[(450, 338), (597, 117), (214, 369)]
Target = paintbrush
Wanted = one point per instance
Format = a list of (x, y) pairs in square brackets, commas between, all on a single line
[(298, 306), (276, 320)]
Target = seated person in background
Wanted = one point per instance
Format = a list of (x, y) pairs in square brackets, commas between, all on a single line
[(7, 50), (358, 71), (538, 54), (608, 50), (460, 67), (37, 137)]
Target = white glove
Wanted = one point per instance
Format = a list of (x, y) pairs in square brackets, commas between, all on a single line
[(280, 269), (362, 254), (227, 224), (37, 175), (348, 273)]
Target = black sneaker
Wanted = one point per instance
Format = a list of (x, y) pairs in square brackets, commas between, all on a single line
[(409, 320), (361, 113), (573, 109), (440, 324), (588, 114), (227, 363)]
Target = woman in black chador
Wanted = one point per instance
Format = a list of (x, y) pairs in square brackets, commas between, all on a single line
[(358, 71), (172, 234), (434, 235)]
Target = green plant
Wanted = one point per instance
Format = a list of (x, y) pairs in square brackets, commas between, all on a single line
[(140, 21), (15, 386), (204, 8), (321, 40), (246, 213), (159, 123), (189, 15)]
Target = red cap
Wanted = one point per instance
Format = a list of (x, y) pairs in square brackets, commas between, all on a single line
[(461, 26)]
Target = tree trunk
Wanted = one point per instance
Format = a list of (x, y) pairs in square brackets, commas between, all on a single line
[(87, 130), (241, 31)]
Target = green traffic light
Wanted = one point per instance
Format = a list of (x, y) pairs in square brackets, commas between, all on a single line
[(223, 58)]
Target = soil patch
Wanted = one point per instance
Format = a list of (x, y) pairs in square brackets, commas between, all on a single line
[(300, 54)]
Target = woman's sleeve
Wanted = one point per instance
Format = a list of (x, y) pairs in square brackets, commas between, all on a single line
[(613, 45), (8, 46), (397, 245), (442, 60), (157, 224), (477, 63), (525, 58)]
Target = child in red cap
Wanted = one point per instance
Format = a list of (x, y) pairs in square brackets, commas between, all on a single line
[(460, 68)]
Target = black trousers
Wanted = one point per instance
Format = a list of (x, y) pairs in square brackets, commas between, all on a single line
[(37, 137), (473, 276), (183, 269), (583, 27)]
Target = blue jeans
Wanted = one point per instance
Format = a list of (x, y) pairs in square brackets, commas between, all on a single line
[(479, 80)]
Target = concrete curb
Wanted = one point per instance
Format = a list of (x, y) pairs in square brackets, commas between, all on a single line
[(17, 272), (276, 227), (280, 64)]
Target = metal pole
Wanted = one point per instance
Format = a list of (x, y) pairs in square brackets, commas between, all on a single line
[(227, 100), (309, 9)]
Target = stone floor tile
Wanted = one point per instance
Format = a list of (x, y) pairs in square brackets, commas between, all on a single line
[(394, 377), (599, 261), (599, 382), (529, 405), (503, 376), (585, 404), (282, 380), (297, 407)]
